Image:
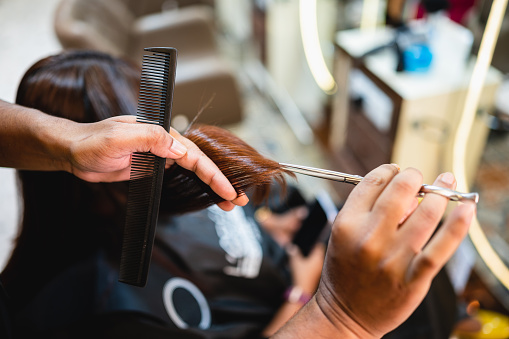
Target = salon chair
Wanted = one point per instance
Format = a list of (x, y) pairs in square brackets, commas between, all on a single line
[(111, 26)]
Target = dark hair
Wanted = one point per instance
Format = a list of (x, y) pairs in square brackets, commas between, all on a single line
[(80, 217), (83, 86)]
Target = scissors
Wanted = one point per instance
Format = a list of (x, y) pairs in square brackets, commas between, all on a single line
[(355, 179)]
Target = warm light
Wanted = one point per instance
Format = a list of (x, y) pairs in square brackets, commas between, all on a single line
[(312, 48), (369, 18), (490, 36)]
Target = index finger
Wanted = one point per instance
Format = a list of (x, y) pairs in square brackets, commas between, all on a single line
[(399, 196), (140, 137), (365, 194)]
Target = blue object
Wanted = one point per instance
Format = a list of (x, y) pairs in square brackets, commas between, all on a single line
[(417, 58)]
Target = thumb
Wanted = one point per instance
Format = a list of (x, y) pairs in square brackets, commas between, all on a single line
[(139, 137), (293, 251)]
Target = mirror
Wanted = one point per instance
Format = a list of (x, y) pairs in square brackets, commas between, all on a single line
[(425, 124)]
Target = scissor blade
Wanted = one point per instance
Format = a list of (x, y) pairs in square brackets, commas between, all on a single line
[(323, 173), (355, 179)]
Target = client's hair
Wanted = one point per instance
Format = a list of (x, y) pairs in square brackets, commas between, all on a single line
[(240, 163)]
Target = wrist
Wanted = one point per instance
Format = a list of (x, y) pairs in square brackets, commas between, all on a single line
[(339, 316), (311, 322), (55, 135)]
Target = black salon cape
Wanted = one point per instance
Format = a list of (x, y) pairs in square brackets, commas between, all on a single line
[(213, 274)]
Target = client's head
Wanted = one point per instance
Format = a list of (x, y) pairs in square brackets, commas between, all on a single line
[(83, 86)]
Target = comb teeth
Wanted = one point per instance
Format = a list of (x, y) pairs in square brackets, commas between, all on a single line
[(154, 107), (152, 100)]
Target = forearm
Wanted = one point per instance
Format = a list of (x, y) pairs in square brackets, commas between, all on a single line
[(33, 140)]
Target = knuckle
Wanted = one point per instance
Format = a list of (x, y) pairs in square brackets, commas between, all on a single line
[(200, 157), (375, 180), (428, 214), (426, 263), (368, 250), (114, 133), (381, 175), (156, 133), (114, 130), (342, 224), (388, 268), (405, 186), (210, 179), (456, 232)]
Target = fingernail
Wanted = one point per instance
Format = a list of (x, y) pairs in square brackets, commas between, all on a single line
[(241, 200), (177, 148), (447, 178), (397, 167)]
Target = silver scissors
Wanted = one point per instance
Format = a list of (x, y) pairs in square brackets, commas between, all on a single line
[(355, 179)]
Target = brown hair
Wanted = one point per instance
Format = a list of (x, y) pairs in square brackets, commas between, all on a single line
[(247, 170)]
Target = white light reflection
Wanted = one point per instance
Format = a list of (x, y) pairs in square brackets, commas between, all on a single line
[(489, 39), (312, 48)]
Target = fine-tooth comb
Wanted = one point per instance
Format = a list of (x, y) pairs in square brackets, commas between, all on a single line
[(355, 179), (154, 107)]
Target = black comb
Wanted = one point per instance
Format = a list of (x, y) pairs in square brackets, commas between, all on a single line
[(154, 107)]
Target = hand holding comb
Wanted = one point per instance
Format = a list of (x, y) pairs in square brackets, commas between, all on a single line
[(154, 107)]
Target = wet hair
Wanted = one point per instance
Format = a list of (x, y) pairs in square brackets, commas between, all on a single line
[(81, 217)]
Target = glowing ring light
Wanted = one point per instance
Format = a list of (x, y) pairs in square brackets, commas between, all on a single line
[(489, 39), (312, 49)]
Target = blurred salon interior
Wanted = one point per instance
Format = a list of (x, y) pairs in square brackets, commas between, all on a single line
[(344, 85)]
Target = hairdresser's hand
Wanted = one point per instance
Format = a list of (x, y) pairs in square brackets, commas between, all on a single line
[(306, 271), (102, 152), (381, 257), (378, 269), (282, 226)]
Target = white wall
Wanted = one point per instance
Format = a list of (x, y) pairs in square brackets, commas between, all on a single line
[(26, 35)]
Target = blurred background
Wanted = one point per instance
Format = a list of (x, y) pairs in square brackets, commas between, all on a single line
[(339, 84)]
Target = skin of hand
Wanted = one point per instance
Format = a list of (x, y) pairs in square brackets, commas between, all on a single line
[(282, 227), (101, 152), (305, 275), (306, 271), (381, 258)]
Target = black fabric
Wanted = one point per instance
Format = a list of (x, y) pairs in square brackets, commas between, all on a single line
[(210, 260), (5, 314), (436, 315), (127, 325), (224, 257)]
